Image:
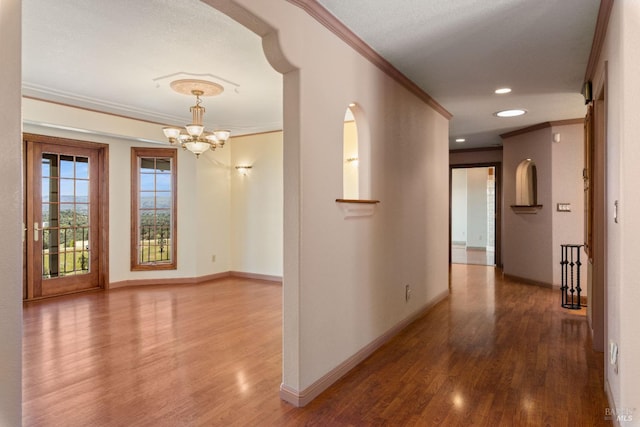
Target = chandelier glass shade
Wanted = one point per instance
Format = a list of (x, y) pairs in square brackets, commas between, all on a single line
[(194, 137)]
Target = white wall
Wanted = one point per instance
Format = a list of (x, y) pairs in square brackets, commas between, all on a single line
[(257, 204), (568, 187), (620, 61), (527, 250), (477, 208), (344, 278), (459, 205), (11, 214)]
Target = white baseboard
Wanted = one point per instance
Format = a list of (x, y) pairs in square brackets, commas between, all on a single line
[(302, 398), (192, 280)]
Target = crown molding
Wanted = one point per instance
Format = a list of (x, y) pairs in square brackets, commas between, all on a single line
[(324, 17), (602, 24), (237, 130), (69, 99), (542, 126)]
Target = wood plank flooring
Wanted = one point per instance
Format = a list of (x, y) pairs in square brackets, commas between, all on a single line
[(461, 255), (495, 353)]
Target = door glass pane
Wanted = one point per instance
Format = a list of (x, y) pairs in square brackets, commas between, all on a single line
[(49, 215), (67, 167), (82, 214), (65, 215), (49, 165), (82, 168), (50, 190), (66, 190), (82, 191)]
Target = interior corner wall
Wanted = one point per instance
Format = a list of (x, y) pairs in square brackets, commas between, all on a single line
[(619, 63), (11, 214), (348, 275), (211, 220), (527, 238), (568, 187), (257, 204)]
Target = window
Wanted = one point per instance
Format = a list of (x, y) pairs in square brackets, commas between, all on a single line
[(153, 208)]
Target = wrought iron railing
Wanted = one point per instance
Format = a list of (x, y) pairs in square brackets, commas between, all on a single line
[(154, 244), (570, 276), (65, 251)]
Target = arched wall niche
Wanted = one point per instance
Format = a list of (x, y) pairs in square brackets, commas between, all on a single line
[(356, 154), (526, 184)]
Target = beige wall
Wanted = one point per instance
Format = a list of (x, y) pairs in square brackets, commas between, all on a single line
[(344, 278), (527, 242), (257, 204), (568, 187), (11, 214), (620, 62), (532, 242)]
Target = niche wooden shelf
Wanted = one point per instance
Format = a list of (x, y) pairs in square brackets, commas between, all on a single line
[(526, 209), (357, 207), (362, 201)]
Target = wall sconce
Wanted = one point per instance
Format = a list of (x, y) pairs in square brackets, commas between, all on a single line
[(556, 137), (243, 169), (353, 161)]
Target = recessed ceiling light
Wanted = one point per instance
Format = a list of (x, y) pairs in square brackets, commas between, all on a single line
[(510, 113), (503, 90), (460, 140)]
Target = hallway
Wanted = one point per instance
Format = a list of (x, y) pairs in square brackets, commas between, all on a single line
[(494, 353)]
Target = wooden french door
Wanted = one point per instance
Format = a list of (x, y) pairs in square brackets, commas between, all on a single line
[(64, 216)]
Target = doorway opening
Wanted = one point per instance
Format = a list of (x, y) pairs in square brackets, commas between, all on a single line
[(474, 214)]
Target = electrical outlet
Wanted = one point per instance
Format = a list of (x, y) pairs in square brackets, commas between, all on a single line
[(213, 258), (407, 293)]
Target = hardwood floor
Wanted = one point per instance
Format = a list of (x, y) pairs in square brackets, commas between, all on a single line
[(494, 353), (461, 255)]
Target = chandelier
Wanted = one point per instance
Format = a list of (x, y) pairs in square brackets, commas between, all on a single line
[(194, 137)]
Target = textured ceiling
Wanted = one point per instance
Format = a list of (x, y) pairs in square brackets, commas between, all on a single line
[(460, 51), (119, 56)]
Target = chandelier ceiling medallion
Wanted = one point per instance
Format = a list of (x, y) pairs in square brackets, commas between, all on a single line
[(194, 137)]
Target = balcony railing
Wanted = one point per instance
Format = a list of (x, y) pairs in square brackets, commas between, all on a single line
[(155, 244), (65, 251)]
